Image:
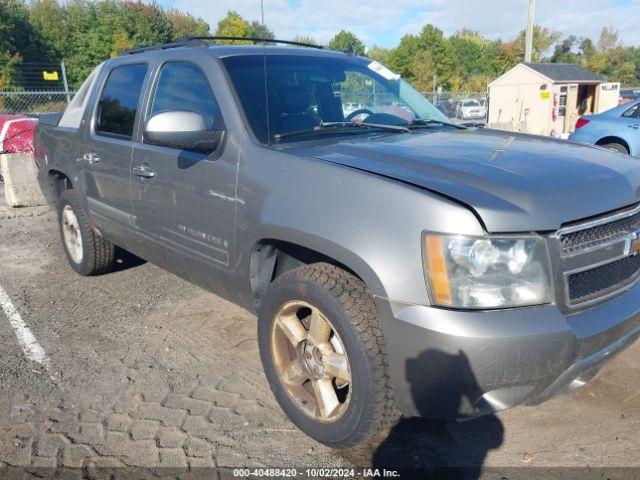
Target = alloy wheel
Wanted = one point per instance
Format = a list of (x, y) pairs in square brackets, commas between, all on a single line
[(311, 361)]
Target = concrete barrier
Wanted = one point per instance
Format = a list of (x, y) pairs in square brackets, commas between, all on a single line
[(21, 188)]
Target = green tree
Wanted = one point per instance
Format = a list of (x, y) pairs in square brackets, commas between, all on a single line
[(258, 30), (83, 33), (185, 24), (233, 25), (15, 30), (474, 55), (564, 51), (145, 24), (305, 39), (382, 55), (472, 51), (423, 71), (543, 39), (345, 41), (587, 49), (609, 39), (401, 59), (48, 19), (15, 39), (509, 55), (445, 66)]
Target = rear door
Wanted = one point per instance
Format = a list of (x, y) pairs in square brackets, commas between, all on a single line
[(105, 163), (185, 201)]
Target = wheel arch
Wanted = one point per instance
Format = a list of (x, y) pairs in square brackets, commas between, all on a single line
[(58, 182), (614, 139), (271, 256)]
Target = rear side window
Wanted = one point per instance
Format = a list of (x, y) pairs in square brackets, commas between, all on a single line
[(632, 112), (183, 86), (119, 100)]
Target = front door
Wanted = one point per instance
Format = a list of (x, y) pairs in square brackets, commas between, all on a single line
[(105, 162), (184, 201)]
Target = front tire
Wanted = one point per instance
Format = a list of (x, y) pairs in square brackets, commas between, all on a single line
[(323, 354), (87, 251)]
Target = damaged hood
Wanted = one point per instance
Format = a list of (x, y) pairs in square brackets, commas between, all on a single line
[(514, 182)]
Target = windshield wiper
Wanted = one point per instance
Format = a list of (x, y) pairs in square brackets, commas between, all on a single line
[(419, 122), (333, 126)]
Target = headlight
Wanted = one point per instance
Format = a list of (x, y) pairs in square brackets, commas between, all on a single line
[(487, 272)]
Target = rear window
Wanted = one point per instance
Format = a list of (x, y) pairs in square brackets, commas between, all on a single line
[(119, 100), (73, 114), (632, 112)]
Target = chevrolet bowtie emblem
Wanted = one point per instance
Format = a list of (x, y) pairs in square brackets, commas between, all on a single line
[(632, 244)]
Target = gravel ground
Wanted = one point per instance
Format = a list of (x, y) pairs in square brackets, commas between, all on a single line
[(147, 370)]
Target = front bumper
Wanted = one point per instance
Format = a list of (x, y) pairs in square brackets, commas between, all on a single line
[(456, 364)]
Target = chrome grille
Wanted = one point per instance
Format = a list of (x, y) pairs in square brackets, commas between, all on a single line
[(595, 257), (601, 232)]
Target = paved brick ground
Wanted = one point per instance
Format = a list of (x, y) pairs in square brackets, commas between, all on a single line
[(149, 371)]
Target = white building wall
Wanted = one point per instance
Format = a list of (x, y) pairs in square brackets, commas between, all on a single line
[(517, 92)]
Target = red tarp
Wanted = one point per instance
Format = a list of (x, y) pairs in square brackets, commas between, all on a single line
[(16, 133)]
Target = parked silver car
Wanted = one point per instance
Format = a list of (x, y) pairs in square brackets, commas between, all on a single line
[(470, 109), (395, 264)]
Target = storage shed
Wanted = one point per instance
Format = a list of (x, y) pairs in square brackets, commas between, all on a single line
[(548, 98)]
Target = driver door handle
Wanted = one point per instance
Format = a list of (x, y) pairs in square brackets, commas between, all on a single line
[(143, 171), (636, 126)]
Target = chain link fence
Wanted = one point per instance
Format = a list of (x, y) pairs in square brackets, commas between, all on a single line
[(34, 102)]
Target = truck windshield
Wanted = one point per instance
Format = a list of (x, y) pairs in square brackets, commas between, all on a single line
[(303, 93)]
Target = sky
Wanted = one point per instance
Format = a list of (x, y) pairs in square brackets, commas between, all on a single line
[(384, 22)]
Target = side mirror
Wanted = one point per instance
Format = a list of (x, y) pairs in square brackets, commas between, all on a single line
[(183, 130)]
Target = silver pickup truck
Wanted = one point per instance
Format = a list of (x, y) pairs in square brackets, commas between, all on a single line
[(397, 263)]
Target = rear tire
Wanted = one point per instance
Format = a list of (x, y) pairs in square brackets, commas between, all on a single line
[(87, 252), (353, 350), (616, 147)]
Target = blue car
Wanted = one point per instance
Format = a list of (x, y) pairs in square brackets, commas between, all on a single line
[(616, 129)]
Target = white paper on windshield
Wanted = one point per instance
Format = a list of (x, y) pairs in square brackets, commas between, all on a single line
[(384, 71)]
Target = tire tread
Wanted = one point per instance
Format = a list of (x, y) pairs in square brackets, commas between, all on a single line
[(100, 252), (358, 302)]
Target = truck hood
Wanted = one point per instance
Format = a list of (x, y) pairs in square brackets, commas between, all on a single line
[(514, 182)]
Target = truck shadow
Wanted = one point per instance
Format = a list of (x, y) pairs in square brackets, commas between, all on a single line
[(427, 448), (126, 260)]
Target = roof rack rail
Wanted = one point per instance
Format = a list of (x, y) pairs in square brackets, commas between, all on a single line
[(203, 41)]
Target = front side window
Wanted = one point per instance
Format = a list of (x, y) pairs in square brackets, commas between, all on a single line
[(183, 86), (119, 100)]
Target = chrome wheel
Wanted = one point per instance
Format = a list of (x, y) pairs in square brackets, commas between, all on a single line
[(71, 234), (311, 361)]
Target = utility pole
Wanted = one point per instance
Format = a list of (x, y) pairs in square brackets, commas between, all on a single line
[(65, 83), (433, 94), (528, 46)]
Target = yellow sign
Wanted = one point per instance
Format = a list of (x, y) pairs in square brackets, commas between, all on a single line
[(50, 76), (545, 95)]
